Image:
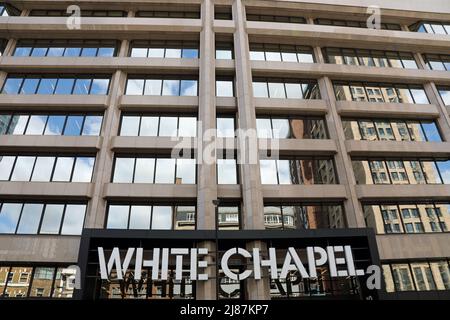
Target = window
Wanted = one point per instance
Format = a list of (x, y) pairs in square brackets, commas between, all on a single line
[(151, 217), (414, 217), (37, 84), (42, 218), (161, 87), (435, 27), (187, 13), (274, 18), (394, 93), (227, 171), (355, 24), (47, 168), (158, 126), (402, 171), (304, 216), (275, 52), (298, 171), (291, 128), (154, 170), (8, 10), (66, 48), (54, 124), (224, 88), (417, 276), (229, 217), (223, 13), (225, 127), (84, 13), (444, 92), (224, 50), (437, 62), (285, 88), (164, 49)]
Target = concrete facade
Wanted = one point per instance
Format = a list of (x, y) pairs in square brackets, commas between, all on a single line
[(250, 193)]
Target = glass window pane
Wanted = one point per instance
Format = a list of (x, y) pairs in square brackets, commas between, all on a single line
[(64, 86), (305, 57), (171, 88), (6, 165), (225, 127), (42, 282), (187, 127), (162, 218), (92, 126), (9, 217), (135, 87), (268, 172), (273, 56), (444, 169), (168, 127), (165, 171), (29, 86), (431, 131), (289, 56), (55, 125), (22, 52), (423, 277), (139, 52), (260, 90), (281, 129), (228, 218), (39, 52), (226, 171), (30, 218), (264, 128), (285, 175), (402, 277), (276, 90), (189, 88), (89, 52), (145, 168), (130, 126), (18, 124), (140, 217), (294, 91), (224, 88), (185, 218), (36, 125), (149, 126), (23, 168), (73, 125), (190, 53), (257, 56), (431, 172), (82, 86), (100, 86), (156, 53), (83, 169), (12, 86), (419, 96), (224, 54), (173, 53), (63, 169), (55, 52), (272, 217), (47, 86), (118, 217), (73, 219), (441, 274), (52, 219), (186, 171), (19, 284), (123, 170), (43, 169), (153, 87), (72, 52)]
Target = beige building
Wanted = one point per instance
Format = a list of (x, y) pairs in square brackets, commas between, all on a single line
[(93, 99)]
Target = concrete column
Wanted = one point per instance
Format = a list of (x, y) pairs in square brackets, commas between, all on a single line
[(104, 162), (206, 175), (353, 209), (252, 198)]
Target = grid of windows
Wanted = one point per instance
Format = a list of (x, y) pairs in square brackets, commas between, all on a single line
[(391, 171), (54, 124), (393, 130), (161, 86), (408, 217), (431, 27), (56, 84), (417, 276), (305, 170), (41, 218), (444, 92), (304, 216), (158, 126), (285, 88), (275, 18), (354, 24), (293, 127), (164, 49), (380, 92), (437, 61), (193, 14), (84, 13), (280, 52), (46, 168), (66, 48), (154, 170), (370, 58), (36, 282), (151, 217)]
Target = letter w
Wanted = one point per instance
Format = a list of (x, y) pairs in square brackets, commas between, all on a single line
[(114, 259)]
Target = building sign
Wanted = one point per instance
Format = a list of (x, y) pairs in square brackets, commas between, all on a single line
[(338, 259)]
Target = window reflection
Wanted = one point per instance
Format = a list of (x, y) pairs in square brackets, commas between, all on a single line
[(285, 88), (161, 87), (291, 128)]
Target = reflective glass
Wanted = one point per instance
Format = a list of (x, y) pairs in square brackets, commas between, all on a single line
[(224, 88), (281, 129), (82, 86), (30, 218), (29, 86), (73, 219), (186, 171), (173, 53), (89, 52), (149, 126), (55, 125), (153, 87), (294, 91), (284, 172), (129, 126), (444, 170), (168, 126), (64, 86), (190, 53), (224, 54), (36, 125), (260, 90), (82, 171), (268, 170), (264, 128), (9, 217), (187, 127), (100, 86), (162, 218), (225, 127), (12, 85), (419, 96), (145, 168), (63, 169), (276, 90), (135, 87), (23, 168), (6, 165), (51, 221), (165, 171), (92, 125), (139, 53), (72, 52), (43, 169), (156, 53), (226, 171), (123, 171), (18, 124), (47, 86), (257, 55), (189, 88), (55, 52), (42, 282), (171, 88), (118, 217), (73, 125), (140, 217)]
